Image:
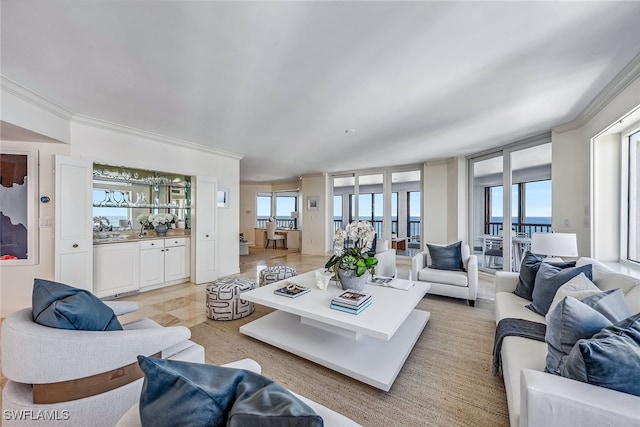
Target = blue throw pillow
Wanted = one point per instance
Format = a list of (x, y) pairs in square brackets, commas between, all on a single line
[(528, 271), (568, 322), (65, 307), (446, 257), (611, 358), (193, 394), (548, 279)]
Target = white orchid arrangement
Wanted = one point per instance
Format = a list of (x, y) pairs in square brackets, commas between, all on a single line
[(153, 220), (356, 257)]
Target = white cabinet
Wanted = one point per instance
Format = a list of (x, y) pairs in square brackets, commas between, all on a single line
[(163, 261), (116, 268), (176, 262)]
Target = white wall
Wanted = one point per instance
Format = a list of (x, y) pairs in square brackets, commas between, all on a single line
[(248, 193), (315, 239), (120, 148), (16, 282), (117, 148), (606, 184), (572, 166), (435, 195)]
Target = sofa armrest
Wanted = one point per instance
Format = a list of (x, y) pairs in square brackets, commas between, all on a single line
[(122, 307), (506, 281), (418, 262), (548, 400)]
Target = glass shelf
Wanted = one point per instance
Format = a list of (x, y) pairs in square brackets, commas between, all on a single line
[(146, 206)]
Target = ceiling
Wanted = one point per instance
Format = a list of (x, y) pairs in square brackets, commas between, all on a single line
[(281, 82)]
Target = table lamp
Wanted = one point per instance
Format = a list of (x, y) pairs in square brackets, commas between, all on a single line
[(554, 244)]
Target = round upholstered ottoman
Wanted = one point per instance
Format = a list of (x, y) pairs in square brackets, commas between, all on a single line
[(276, 273), (223, 298)]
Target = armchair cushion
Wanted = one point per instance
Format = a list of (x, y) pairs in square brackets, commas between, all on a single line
[(64, 307), (200, 395), (446, 257)]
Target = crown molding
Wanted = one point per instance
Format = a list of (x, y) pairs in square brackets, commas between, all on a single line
[(624, 78), (103, 124), (34, 98)]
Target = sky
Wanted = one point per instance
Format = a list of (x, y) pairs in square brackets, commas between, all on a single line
[(538, 200)]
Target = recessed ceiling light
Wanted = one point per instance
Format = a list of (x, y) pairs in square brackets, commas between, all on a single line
[(350, 130)]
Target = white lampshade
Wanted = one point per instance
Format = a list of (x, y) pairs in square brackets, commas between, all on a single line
[(554, 244)]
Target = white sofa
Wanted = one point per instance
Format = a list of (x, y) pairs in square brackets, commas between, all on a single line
[(539, 399), (330, 418), (456, 284)]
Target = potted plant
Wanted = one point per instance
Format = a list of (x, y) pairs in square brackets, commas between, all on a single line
[(159, 222), (351, 262)]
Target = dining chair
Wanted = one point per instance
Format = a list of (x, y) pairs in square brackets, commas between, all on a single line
[(272, 236)]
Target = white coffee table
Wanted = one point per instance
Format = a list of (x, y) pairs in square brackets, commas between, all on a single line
[(370, 347)]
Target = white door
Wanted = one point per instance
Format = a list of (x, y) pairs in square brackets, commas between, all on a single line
[(73, 222), (204, 229)]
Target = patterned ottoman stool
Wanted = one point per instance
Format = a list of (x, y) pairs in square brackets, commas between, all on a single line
[(275, 273), (223, 298)]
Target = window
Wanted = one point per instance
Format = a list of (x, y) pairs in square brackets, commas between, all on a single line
[(263, 208), (633, 214), (283, 206)]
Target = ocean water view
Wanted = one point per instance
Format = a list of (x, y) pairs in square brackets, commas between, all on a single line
[(528, 220)]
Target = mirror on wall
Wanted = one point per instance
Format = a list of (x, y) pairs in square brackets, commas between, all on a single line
[(120, 195)]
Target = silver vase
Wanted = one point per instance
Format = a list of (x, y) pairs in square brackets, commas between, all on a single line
[(349, 280)]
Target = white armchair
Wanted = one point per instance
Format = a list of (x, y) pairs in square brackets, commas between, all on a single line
[(386, 259), (51, 365), (457, 284)]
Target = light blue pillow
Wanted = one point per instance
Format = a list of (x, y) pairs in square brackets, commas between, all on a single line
[(193, 394), (446, 257), (61, 306), (611, 304), (568, 322), (611, 358), (548, 279)]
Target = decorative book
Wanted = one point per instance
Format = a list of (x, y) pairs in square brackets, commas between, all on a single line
[(352, 310), (352, 298), (390, 282), (291, 290)]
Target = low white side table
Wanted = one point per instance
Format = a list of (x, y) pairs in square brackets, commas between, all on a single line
[(244, 248)]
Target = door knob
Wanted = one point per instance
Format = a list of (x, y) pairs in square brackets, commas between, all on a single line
[(75, 245)]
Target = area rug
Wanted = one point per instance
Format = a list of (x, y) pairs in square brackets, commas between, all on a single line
[(257, 254), (446, 380)]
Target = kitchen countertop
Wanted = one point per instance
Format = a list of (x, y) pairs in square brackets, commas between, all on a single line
[(130, 237)]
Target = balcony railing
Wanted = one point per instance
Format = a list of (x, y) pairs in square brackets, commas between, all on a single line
[(493, 228), (280, 222)]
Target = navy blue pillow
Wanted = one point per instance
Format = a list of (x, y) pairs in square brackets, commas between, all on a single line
[(64, 307), (193, 394), (548, 279), (611, 358), (446, 257), (528, 270)]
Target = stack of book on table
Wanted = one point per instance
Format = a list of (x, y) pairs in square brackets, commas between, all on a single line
[(350, 301)]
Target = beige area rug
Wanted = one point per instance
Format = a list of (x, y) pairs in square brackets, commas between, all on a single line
[(259, 254), (446, 380)]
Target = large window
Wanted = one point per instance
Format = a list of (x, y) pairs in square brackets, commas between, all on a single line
[(633, 230), (282, 206), (390, 200)]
